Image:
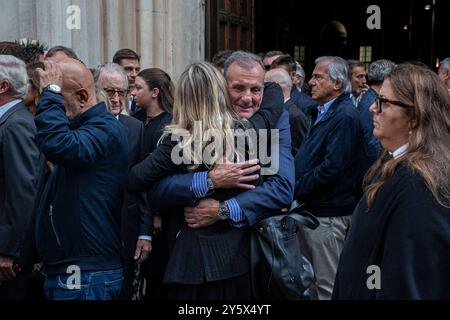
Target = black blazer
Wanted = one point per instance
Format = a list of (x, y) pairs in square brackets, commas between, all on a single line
[(299, 125), (21, 172), (406, 233), (136, 216)]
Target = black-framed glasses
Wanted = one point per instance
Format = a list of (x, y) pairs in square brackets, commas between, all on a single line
[(112, 91), (381, 100)]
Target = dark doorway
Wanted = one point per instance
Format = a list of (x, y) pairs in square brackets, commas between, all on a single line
[(305, 30), (410, 30)]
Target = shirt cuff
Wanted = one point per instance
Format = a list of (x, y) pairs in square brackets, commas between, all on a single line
[(148, 238), (237, 217), (200, 185)]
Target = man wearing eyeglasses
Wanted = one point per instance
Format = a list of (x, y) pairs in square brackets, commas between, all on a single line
[(131, 62), (328, 170), (136, 226)]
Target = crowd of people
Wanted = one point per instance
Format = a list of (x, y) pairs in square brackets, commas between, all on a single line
[(116, 183)]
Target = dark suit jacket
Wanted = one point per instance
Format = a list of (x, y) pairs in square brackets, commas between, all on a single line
[(21, 171), (136, 217), (299, 125), (328, 165)]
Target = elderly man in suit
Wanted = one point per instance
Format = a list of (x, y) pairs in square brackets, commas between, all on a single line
[(21, 167), (136, 227), (328, 170)]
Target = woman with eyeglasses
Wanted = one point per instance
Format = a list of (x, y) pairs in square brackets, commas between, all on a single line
[(399, 243)]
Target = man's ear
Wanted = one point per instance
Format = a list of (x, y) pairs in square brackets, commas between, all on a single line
[(155, 93), (338, 84), (447, 75), (82, 96), (4, 86)]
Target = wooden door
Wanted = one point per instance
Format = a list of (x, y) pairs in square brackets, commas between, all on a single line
[(229, 25)]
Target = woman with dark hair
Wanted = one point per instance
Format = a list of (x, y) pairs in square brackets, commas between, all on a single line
[(398, 245), (153, 93)]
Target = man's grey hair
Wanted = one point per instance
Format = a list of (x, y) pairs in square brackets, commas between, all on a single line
[(378, 70), (300, 72), (245, 60), (446, 63), (14, 70), (273, 53), (110, 68), (338, 70)]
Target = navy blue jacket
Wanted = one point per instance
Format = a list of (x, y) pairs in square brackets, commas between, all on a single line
[(78, 219), (372, 145), (328, 165)]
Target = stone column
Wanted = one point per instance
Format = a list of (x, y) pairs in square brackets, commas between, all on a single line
[(169, 34)]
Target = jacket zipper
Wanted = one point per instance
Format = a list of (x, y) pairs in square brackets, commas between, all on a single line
[(53, 226)]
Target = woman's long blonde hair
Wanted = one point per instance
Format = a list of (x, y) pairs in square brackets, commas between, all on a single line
[(428, 152), (201, 96)]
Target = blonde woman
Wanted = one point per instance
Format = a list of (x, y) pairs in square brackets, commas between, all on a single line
[(203, 117)]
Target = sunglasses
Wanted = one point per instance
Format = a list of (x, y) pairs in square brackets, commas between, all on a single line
[(381, 100)]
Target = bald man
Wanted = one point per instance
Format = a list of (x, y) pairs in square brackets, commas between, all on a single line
[(78, 219), (297, 119)]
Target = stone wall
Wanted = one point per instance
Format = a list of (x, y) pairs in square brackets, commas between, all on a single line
[(169, 34)]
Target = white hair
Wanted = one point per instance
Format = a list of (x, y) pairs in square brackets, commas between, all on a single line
[(110, 68), (446, 63), (338, 70), (14, 71)]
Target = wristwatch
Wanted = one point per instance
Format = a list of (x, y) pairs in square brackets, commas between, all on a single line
[(224, 212), (53, 88)]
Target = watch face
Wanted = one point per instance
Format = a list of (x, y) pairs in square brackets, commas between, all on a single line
[(54, 88)]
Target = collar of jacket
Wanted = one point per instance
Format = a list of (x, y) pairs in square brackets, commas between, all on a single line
[(98, 109), (12, 110), (333, 108)]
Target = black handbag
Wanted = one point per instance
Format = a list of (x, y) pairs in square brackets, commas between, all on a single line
[(279, 271)]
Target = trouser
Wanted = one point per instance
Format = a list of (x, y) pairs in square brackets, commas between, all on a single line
[(322, 247), (90, 285)]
